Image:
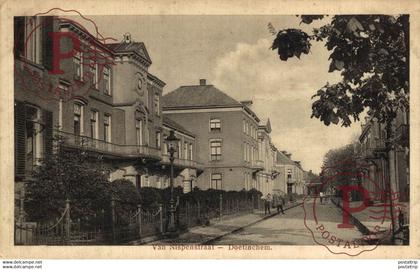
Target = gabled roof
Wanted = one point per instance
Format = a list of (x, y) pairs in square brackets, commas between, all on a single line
[(266, 126), (133, 47), (283, 159), (176, 126), (195, 96)]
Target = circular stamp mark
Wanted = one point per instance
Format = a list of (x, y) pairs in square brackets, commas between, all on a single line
[(341, 186), (69, 65)]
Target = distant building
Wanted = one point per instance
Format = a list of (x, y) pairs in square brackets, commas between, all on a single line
[(267, 155), (291, 177), (226, 135)]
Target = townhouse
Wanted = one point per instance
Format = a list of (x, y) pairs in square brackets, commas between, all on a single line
[(226, 135), (291, 177), (100, 97), (378, 165), (267, 155)]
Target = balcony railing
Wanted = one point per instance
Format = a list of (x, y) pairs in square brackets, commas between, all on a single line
[(104, 147), (180, 162), (291, 180), (257, 164), (373, 148)]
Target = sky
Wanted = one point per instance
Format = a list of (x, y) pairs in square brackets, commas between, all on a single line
[(233, 53)]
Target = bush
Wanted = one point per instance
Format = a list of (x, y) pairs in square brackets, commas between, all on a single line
[(67, 175), (127, 199), (150, 197)]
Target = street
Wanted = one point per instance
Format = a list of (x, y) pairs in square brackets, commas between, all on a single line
[(289, 229)]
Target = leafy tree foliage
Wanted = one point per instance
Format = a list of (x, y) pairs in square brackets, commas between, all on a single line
[(126, 197), (341, 164), (69, 175), (371, 52)]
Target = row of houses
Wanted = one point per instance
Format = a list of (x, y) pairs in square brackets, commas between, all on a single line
[(386, 168), (101, 97)]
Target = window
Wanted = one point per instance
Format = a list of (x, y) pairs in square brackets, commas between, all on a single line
[(78, 62), (215, 125), (107, 128), (94, 124), (157, 103), (139, 132), (185, 150), (77, 122), (179, 149), (216, 181), (165, 146), (60, 114), (107, 80), (30, 36), (34, 136), (244, 126), (187, 184), (158, 140), (144, 181), (191, 151), (289, 174), (244, 151), (215, 150), (94, 73)]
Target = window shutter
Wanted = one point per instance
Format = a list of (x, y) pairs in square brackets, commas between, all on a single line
[(47, 53), (20, 126), (19, 32), (48, 137)]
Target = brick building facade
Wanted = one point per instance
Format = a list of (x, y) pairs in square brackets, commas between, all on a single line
[(103, 100)]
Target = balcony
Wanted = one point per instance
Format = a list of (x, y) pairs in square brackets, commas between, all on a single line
[(107, 148), (403, 135), (373, 149), (183, 163), (291, 180), (257, 165)]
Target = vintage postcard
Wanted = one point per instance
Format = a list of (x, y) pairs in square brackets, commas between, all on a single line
[(275, 129)]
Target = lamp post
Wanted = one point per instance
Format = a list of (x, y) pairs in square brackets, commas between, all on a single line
[(172, 143)]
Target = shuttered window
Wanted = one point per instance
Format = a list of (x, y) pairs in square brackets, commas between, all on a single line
[(19, 140), (33, 137)]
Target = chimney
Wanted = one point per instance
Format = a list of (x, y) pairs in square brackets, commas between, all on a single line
[(202, 82), (247, 103), (127, 38), (289, 155)]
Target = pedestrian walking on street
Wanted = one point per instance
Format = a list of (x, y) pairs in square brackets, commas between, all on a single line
[(267, 204), (281, 205), (321, 196)]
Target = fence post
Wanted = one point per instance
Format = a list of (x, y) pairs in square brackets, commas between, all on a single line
[(198, 210), (67, 227), (139, 218), (21, 210), (113, 219), (161, 218), (187, 205), (21, 216), (237, 205), (220, 206)]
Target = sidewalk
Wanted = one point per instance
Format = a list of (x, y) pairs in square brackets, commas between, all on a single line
[(374, 220), (216, 230)]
